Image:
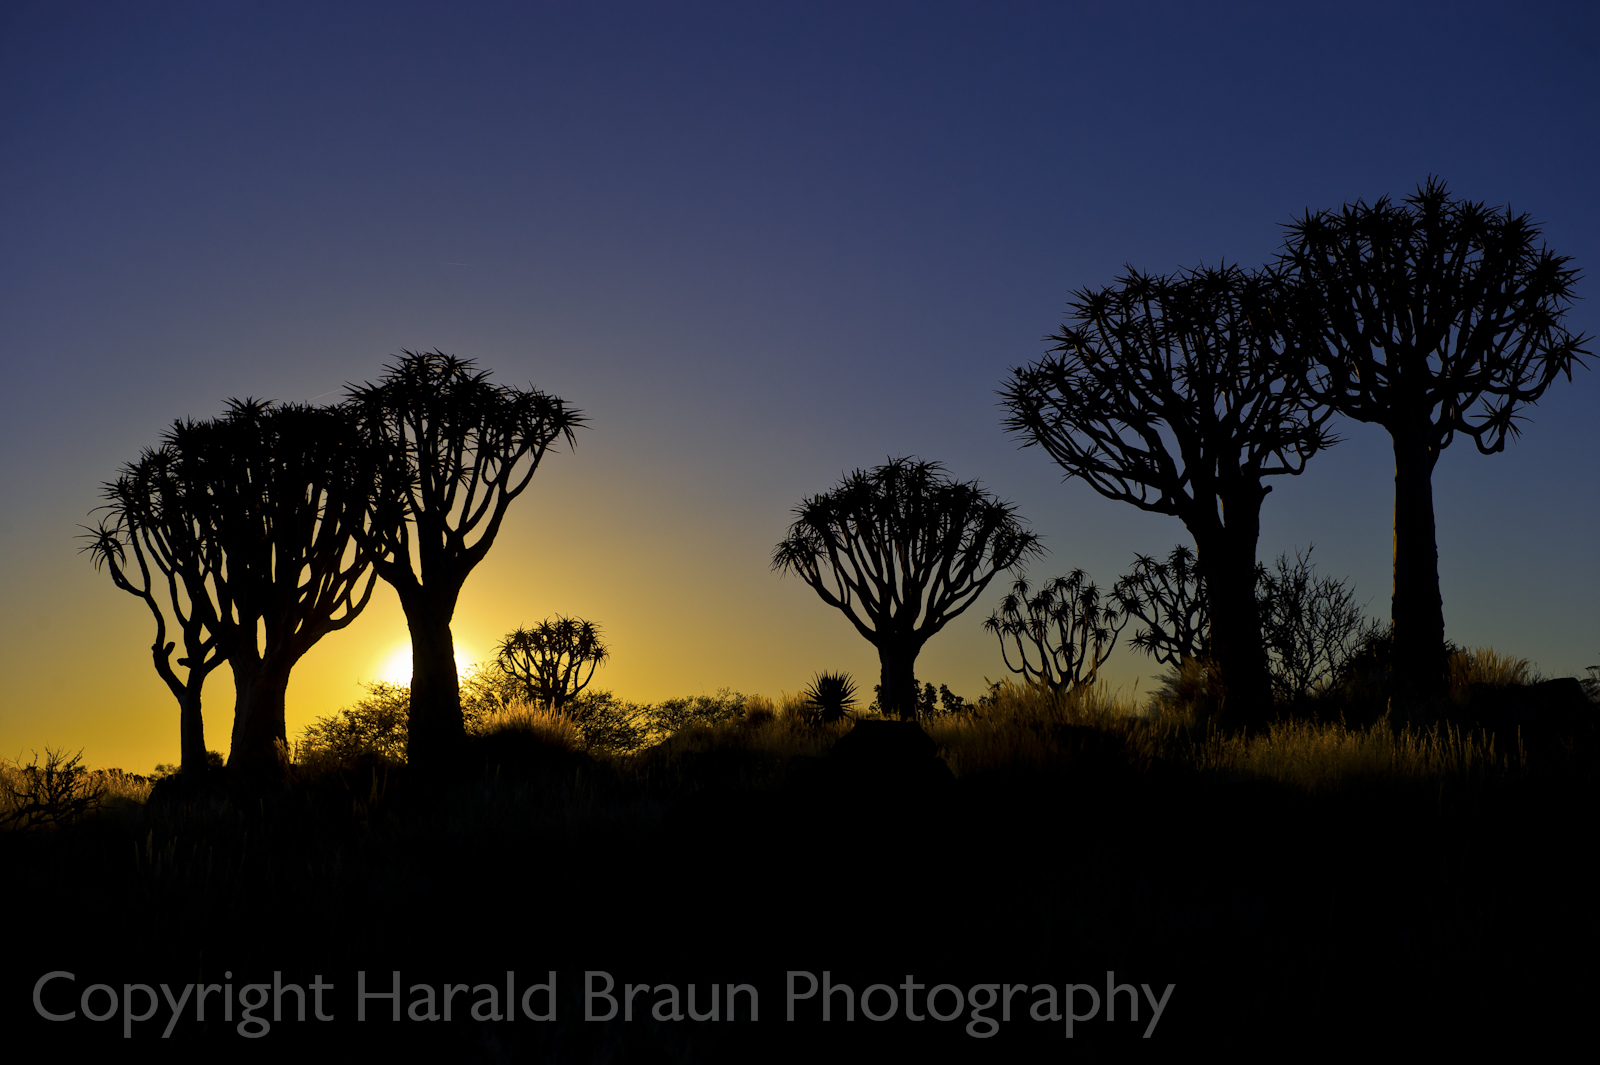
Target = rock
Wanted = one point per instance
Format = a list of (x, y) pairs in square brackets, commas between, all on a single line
[(1543, 713), (889, 754)]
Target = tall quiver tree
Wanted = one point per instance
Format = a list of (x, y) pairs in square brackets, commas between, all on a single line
[(457, 450), (148, 544), (901, 549), (1180, 394), (1429, 318), (277, 494)]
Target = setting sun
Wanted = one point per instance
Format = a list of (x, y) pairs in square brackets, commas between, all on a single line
[(396, 667)]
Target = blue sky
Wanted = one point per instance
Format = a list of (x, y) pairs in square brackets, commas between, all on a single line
[(760, 245)]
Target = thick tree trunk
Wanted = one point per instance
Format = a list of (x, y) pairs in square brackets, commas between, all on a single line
[(436, 730), (1227, 561), (191, 731), (897, 680), (1417, 609), (260, 736)]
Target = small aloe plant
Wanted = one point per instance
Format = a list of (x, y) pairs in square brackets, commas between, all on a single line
[(830, 697)]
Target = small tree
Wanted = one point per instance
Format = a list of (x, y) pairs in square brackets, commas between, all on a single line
[(901, 549), (1430, 318), (1060, 635), (1170, 599), (458, 450), (553, 661), (1181, 395)]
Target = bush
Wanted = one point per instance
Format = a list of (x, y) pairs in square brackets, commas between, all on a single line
[(609, 725), (373, 727), (1311, 627), (675, 715), (56, 793), (830, 697)]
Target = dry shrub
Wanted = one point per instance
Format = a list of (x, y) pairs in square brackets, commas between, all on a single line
[(1485, 665), (550, 726), (47, 796)]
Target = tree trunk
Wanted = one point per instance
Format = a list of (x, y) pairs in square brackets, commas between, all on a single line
[(436, 730), (897, 683), (260, 739), (1417, 609), (1227, 562), (192, 759)]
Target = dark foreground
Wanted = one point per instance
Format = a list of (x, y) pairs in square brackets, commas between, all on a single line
[(1435, 917)]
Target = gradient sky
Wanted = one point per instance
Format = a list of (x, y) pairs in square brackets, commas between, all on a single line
[(759, 245)]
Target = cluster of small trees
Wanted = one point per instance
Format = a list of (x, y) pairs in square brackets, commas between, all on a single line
[(1182, 394), (255, 534)]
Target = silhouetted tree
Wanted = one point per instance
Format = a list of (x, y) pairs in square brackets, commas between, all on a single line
[(275, 494), (1180, 395), (1430, 318), (149, 518), (1170, 599), (459, 449), (1061, 635), (901, 549), (553, 661)]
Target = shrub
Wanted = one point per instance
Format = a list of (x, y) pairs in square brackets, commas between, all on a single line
[(56, 793), (609, 725), (675, 715), (1486, 666), (373, 727), (1311, 627), (830, 697), (550, 726)]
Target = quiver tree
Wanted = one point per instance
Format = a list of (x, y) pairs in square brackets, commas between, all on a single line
[(147, 543), (901, 549), (553, 661), (1060, 635), (1430, 318), (275, 495), (1170, 599), (456, 450), (1180, 395)]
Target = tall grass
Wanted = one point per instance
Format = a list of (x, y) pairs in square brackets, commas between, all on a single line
[(1485, 665), (549, 726)]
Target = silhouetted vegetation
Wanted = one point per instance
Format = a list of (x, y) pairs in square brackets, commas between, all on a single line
[(901, 549), (251, 520), (1169, 598), (831, 697), (1060, 635), (1312, 627), (1078, 832), (553, 661), (455, 452), (1179, 395), (1245, 830), (1431, 317), (50, 795)]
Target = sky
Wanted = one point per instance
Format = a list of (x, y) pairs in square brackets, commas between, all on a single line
[(759, 245)]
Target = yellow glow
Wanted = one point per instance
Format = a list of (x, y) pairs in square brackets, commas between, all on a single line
[(396, 668)]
